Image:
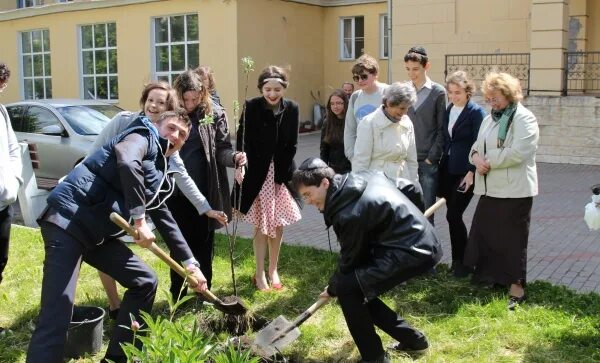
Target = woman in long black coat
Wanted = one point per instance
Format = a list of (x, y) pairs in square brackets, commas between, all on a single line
[(269, 135)]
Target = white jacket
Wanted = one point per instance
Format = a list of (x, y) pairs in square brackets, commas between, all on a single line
[(10, 162), (513, 172), (386, 146)]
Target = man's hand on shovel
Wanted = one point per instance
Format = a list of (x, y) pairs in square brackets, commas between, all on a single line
[(195, 272), (143, 236)]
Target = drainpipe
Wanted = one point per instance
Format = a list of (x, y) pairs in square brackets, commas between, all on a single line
[(389, 30)]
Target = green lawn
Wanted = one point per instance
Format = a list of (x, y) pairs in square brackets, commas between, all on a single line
[(463, 324)]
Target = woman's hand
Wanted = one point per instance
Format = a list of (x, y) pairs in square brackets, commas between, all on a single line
[(220, 216), (467, 181), (239, 174), (240, 159), (482, 165)]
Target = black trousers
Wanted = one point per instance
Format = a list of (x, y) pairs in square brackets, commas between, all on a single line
[(63, 256), (456, 204), (199, 236), (362, 318), (5, 220)]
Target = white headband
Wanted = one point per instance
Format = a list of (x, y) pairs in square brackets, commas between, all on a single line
[(274, 79)]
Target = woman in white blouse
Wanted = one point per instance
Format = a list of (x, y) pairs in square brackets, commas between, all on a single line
[(386, 138)]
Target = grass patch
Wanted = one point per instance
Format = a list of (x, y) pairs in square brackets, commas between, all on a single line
[(462, 323)]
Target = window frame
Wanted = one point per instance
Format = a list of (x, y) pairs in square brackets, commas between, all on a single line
[(383, 36), (107, 48), (22, 4), (31, 53), (354, 52), (158, 74)]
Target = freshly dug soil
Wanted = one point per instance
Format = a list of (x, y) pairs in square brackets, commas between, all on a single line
[(236, 325)]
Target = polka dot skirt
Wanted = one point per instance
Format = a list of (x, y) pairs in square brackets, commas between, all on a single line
[(273, 207)]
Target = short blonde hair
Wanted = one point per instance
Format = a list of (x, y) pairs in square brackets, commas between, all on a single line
[(462, 80), (509, 86)]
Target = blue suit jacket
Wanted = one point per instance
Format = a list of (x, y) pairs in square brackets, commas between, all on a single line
[(464, 134)]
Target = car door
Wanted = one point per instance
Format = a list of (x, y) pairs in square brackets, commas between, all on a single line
[(43, 128)]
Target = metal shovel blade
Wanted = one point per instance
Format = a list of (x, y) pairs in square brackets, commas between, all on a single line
[(273, 338)]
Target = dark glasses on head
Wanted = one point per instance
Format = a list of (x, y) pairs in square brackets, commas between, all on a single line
[(363, 77)]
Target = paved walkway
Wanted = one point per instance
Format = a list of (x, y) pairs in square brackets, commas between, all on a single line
[(561, 248)]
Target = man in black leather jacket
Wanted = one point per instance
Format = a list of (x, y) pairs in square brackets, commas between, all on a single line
[(385, 240)]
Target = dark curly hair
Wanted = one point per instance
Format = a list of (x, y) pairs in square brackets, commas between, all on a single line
[(4, 73)]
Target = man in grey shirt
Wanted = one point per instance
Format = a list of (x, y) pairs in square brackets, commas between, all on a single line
[(427, 116)]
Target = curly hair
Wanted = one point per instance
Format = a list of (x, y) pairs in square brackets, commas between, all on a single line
[(206, 71), (365, 63), (462, 80), (4, 73), (190, 81), (172, 100), (509, 86)]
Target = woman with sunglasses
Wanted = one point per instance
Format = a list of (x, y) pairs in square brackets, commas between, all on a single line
[(332, 134), (363, 101), (506, 180)]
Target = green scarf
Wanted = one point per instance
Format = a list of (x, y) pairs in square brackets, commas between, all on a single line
[(503, 118)]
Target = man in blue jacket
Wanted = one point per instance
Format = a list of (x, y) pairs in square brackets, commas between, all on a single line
[(128, 176), (384, 239)]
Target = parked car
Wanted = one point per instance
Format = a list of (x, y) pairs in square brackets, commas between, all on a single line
[(62, 129)]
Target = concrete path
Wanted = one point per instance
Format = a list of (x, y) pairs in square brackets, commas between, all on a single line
[(561, 248)]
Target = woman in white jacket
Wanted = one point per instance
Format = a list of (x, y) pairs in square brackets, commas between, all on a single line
[(10, 172), (506, 180), (386, 139)]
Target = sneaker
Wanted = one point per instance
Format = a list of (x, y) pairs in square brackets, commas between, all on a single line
[(515, 301), (385, 358)]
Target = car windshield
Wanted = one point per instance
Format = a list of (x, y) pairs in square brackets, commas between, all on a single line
[(89, 119)]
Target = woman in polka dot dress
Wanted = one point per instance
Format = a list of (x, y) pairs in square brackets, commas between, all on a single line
[(269, 136)]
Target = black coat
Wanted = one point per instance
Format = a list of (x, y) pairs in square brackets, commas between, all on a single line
[(384, 238), (464, 133), (333, 153), (267, 136)]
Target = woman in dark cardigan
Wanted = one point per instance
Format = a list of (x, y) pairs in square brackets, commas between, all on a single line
[(332, 134), (461, 124), (269, 135)]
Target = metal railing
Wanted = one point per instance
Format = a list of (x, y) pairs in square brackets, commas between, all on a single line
[(582, 73), (478, 65)]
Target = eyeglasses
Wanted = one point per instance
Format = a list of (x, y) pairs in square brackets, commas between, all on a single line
[(362, 77)]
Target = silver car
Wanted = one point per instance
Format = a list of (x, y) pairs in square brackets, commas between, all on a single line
[(62, 129)]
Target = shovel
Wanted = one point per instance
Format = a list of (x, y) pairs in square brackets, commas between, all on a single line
[(231, 308), (280, 332)]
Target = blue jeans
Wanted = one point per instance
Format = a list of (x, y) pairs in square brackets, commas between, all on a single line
[(428, 178)]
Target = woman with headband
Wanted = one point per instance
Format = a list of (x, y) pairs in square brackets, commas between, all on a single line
[(268, 133)]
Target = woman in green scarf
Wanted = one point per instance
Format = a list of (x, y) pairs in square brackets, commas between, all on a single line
[(506, 180)]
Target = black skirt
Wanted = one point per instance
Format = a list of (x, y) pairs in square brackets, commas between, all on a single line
[(497, 246)]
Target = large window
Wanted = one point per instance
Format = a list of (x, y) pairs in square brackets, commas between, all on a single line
[(99, 78), (384, 36), (35, 51), (352, 37), (176, 46), (29, 3)]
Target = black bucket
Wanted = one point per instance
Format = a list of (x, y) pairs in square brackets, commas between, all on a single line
[(85, 331)]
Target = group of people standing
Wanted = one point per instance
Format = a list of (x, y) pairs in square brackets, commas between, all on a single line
[(446, 145), (170, 159)]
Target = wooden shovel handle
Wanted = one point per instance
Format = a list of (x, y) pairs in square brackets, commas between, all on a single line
[(310, 311), (434, 207), (193, 282)]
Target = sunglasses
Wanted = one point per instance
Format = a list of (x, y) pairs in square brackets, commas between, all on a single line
[(362, 77)]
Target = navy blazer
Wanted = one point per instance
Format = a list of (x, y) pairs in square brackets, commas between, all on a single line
[(464, 135)]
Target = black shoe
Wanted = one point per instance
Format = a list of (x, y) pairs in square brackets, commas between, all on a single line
[(385, 358), (515, 301), (459, 270), (112, 314), (416, 349)]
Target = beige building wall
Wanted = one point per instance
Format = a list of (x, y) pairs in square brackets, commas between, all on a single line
[(458, 26), (7, 5), (337, 71), (593, 27), (286, 34), (134, 46)]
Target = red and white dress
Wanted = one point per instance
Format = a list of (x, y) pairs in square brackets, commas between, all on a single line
[(274, 206)]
